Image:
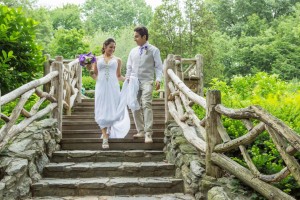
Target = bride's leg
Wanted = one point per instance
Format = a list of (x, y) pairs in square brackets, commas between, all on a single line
[(105, 144)]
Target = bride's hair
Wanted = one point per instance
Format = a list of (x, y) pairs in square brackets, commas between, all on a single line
[(106, 43)]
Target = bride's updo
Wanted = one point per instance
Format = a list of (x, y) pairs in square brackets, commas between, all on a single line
[(106, 43)]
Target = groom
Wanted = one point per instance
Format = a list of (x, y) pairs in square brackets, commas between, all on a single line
[(144, 62)]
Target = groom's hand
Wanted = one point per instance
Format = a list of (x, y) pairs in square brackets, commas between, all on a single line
[(157, 85)]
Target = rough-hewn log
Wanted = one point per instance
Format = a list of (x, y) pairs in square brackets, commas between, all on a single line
[(48, 96), (192, 115), (278, 126), (4, 117), (275, 177), (22, 125), (199, 65), (15, 113), (188, 131), (213, 138), (267, 190), (169, 63), (244, 113), (290, 161), (187, 91), (222, 131), (175, 94), (243, 140), (24, 88)]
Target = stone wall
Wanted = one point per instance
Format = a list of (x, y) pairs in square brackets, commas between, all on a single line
[(190, 166), (22, 162)]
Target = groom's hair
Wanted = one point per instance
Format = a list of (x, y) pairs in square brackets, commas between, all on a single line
[(142, 30)]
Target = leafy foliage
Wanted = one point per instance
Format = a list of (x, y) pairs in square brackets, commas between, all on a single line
[(68, 43), (21, 57), (108, 15)]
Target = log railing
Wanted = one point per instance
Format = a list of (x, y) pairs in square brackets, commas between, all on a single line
[(215, 142), (62, 86)]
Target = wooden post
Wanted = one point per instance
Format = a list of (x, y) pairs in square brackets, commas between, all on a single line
[(169, 64), (213, 98), (79, 83), (199, 67), (178, 67), (58, 82), (67, 88), (46, 86)]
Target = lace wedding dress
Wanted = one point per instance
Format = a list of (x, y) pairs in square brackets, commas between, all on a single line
[(110, 103)]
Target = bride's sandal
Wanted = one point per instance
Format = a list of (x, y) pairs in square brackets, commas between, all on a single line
[(105, 144)]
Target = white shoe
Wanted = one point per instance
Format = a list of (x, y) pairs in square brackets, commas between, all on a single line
[(148, 138), (139, 135)]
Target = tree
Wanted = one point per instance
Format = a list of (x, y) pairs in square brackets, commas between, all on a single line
[(68, 43), (114, 14), (165, 30), (18, 42), (67, 17)]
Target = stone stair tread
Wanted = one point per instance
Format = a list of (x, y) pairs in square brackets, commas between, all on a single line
[(173, 196), (66, 122), (67, 166), (96, 182), (107, 155), (98, 131)]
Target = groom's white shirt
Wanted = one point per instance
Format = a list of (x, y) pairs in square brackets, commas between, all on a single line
[(147, 64)]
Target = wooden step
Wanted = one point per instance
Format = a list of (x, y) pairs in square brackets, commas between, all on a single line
[(106, 186), (160, 109), (108, 169), (154, 100), (91, 103), (88, 116), (115, 144), (94, 125), (108, 156), (96, 133)]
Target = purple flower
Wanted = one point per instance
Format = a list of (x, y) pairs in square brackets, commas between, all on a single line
[(85, 59)]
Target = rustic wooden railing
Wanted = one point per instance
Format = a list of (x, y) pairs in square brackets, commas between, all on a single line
[(63, 90), (215, 141)]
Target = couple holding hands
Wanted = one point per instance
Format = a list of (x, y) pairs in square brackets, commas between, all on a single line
[(143, 66)]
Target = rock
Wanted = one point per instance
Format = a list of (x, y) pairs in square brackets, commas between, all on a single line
[(196, 168), (20, 146), (217, 193)]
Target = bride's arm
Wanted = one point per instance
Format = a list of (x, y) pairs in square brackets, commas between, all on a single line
[(94, 71), (119, 75)]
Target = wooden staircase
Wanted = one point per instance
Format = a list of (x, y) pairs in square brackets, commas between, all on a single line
[(130, 169)]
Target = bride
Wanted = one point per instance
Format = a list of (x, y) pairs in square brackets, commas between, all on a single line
[(111, 113)]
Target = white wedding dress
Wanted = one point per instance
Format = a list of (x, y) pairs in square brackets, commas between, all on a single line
[(110, 103)]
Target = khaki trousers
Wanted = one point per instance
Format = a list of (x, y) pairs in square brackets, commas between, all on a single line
[(143, 118)]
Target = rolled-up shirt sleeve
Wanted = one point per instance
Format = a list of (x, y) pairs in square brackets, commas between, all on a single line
[(129, 65), (158, 65)]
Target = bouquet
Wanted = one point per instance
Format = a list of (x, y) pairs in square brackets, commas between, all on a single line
[(87, 59)]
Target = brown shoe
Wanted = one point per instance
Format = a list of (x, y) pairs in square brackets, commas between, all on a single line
[(139, 135), (148, 138)]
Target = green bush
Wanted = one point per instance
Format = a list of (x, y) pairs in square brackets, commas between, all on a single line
[(21, 58)]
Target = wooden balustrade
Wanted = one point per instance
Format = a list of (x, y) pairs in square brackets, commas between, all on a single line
[(61, 89), (215, 141)]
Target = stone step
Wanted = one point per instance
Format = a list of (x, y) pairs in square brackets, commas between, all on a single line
[(108, 169), (115, 144), (106, 186), (174, 196), (86, 125), (108, 156), (96, 133)]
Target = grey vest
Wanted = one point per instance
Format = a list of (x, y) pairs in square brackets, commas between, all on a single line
[(145, 65)]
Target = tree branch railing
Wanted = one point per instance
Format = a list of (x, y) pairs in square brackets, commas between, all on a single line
[(214, 141), (63, 90)]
